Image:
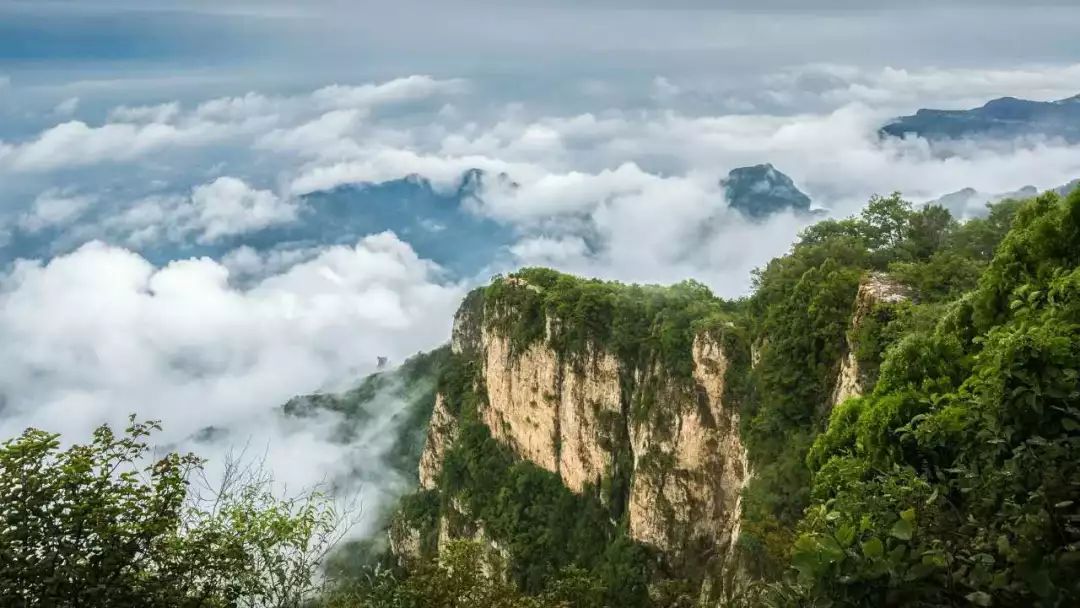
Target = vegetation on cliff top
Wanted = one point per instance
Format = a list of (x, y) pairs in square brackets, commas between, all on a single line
[(800, 315), (639, 324), (957, 480)]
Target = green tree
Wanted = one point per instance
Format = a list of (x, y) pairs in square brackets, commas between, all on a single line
[(102, 524)]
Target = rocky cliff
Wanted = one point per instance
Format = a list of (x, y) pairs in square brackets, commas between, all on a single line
[(659, 446), (877, 292)]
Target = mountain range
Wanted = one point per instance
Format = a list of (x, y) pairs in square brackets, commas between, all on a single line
[(1002, 118)]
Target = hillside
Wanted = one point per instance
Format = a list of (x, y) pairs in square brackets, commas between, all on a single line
[(890, 418)]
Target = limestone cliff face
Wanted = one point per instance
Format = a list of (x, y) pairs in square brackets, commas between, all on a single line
[(549, 412), (874, 290), (575, 417), (441, 433), (690, 468)]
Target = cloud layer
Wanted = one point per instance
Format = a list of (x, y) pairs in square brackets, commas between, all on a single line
[(101, 333)]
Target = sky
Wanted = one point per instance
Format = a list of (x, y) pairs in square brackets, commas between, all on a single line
[(604, 128)]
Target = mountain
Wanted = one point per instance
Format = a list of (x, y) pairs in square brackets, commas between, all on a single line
[(968, 202), (435, 221), (761, 190), (1004, 118), (898, 396)]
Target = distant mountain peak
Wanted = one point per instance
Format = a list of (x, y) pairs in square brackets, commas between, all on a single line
[(1004, 118), (762, 190)]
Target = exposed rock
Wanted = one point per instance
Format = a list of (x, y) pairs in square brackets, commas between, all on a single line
[(523, 394), (405, 542), (589, 408), (441, 433), (465, 335), (571, 415), (875, 289), (690, 469)]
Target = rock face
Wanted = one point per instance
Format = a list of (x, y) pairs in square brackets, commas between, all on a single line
[(549, 412), (572, 416), (689, 470), (874, 290), (441, 433)]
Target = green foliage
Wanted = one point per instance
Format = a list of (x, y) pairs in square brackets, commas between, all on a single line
[(640, 324), (955, 482), (102, 525), (799, 318), (464, 576)]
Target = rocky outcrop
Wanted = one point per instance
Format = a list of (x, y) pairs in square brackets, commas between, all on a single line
[(441, 433), (405, 542), (874, 290), (573, 416)]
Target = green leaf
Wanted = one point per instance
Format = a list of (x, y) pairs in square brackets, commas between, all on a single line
[(902, 529), (845, 535), (1003, 545), (980, 598), (934, 558), (873, 548), (908, 515)]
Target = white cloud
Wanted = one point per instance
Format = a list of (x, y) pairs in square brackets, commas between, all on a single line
[(54, 207), (75, 143), (245, 262), (399, 90), (322, 137), (388, 163), (230, 109), (223, 208), (101, 333), (663, 90), (228, 206)]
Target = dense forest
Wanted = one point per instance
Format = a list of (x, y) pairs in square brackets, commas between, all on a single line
[(952, 480)]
